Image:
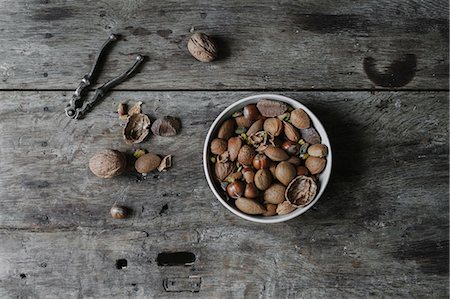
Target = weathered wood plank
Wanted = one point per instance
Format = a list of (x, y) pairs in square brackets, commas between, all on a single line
[(265, 45), (381, 228)]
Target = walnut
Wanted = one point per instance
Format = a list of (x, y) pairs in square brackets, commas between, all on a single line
[(301, 191), (166, 126), (107, 163), (202, 47)]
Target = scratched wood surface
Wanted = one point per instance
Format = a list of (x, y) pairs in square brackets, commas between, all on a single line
[(322, 44), (380, 230)]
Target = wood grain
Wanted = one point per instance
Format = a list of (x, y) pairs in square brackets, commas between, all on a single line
[(288, 45), (381, 228)]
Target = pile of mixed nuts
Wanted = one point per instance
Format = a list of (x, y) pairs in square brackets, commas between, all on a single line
[(267, 158), (109, 163)]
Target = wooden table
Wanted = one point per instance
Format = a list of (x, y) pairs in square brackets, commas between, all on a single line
[(376, 74)]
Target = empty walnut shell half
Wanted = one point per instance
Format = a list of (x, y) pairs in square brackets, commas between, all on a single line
[(301, 191), (137, 128), (166, 126)]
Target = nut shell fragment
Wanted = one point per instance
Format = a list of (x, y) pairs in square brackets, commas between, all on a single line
[(166, 163), (270, 108), (167, 126), (136, 129), (222, 170), (285, 208), (301, 191)]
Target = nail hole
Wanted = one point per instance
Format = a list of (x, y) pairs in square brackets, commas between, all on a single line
[(23, 275), (121, 264), (175, 258), (164, 209), (43, 265)]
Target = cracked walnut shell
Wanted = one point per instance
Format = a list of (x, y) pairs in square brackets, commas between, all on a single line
[(301, 191)]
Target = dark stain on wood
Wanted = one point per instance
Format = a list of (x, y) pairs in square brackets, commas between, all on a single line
[(139, 31), (52, 14), (164, 32), (163, 210), (325, 23), (182, 258), (431, 255), (36, 184), (397, 74)]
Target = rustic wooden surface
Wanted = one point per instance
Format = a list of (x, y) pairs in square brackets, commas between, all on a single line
[(381, 228), (375, 73), (319, 44)]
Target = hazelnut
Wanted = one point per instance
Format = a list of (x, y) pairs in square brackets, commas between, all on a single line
[(235, 189), (147, 163), (218, 146), (315, 165), (275, 194), (122, 110), (234, 145), (263, 179), (246, 155), (274, 126), (251, 112), (318, 150), (251, 191), (119, 212), (285, 172), (107, 163), (226, 130), (292, 148), (261, 161), (302, 170), (300, 119), (202, 47)]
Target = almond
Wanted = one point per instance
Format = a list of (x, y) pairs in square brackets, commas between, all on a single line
[(285, 172), (276, 153), (234, 145), (318, 150), (249, 206), (275, 194), (300, 119), (256, 127), (291, 133), (227, 129), (273, 126)]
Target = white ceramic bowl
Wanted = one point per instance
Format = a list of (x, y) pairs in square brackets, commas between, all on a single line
[(209, 171)]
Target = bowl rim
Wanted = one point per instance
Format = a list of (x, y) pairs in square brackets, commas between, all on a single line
[(317, 124)]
